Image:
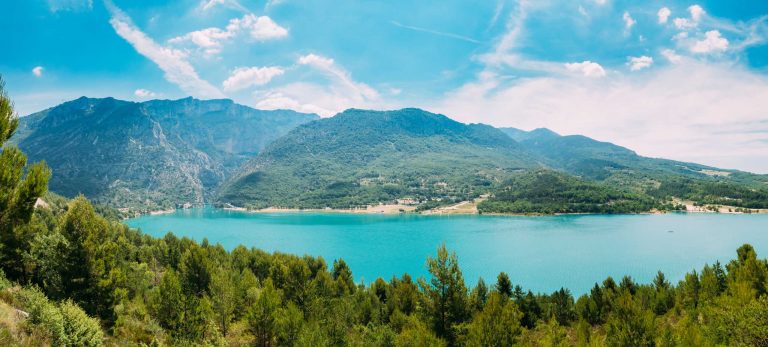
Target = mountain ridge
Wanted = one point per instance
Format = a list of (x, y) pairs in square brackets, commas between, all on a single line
[(159, 154), (362, 155), (154, 154)]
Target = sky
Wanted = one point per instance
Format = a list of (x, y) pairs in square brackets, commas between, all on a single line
[(684, 80)]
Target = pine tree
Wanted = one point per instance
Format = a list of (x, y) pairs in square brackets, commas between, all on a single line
[(18, 192)]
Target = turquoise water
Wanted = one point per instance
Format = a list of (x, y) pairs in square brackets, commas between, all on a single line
[(539, 253)]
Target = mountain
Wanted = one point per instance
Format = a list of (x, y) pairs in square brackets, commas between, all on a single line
[(363, 157), (618, 167), (360, 157), (153, 154)]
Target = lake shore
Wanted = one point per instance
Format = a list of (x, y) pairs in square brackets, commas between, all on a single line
[(470, 208)]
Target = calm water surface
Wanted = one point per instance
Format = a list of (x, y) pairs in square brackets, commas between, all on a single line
[(539, 253)]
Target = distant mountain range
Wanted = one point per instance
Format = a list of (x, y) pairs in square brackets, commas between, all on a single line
[(148, 155), (160, 153)]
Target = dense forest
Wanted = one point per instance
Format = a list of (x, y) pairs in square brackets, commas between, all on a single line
[(361, 157), (548, 192), (73, 277)]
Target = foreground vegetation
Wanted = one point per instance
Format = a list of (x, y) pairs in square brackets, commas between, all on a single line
[(71, 277)]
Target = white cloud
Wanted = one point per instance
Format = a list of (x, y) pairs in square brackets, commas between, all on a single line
[(696, 12), (173, 62), (261, 28), (664, 14), (245, 77), (277, 100), (37, 71), (586, 68), (639, 63), (326, 99), (143, 93), (601, 2), (664, 113), (671, 56), (207, 39), (629, 22), (713, 42), (684, 23), (210, 40)]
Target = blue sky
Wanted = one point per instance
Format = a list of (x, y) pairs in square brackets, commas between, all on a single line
[(684, 80)]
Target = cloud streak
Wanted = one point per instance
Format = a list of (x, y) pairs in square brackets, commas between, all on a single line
[(435, 32), (172, 62)]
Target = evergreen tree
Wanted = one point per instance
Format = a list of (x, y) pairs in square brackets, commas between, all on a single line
[(497, 325), (446, 294), (479, 295), (504, 285), (18, 192)]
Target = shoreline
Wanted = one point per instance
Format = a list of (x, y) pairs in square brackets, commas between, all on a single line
[(447, 212), (462, 208)]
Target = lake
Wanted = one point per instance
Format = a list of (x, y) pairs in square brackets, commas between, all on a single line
[(539, 253)]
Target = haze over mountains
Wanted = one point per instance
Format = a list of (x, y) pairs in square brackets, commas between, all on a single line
[(160, 153)]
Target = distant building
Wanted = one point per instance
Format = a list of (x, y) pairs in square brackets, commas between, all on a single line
[(40, 203)]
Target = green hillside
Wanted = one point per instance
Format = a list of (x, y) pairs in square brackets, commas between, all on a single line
[(149, 155), (617, 167), (549, 192), (365, 157)]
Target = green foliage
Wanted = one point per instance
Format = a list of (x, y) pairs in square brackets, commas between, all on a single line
[(80, 329), (358, 158), (18, 191), (64, 324), (497, 325), (547, 192)]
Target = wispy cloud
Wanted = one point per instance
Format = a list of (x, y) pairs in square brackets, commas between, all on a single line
[(69, 5), (232, 4), (38, 71), (171, 61), (435, 32), (339, 93)]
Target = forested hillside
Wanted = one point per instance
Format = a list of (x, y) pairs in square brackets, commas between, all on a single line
[(613, 179), (365, 157), (150, 155), (159, 154), (549, 192), (71, 277)]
